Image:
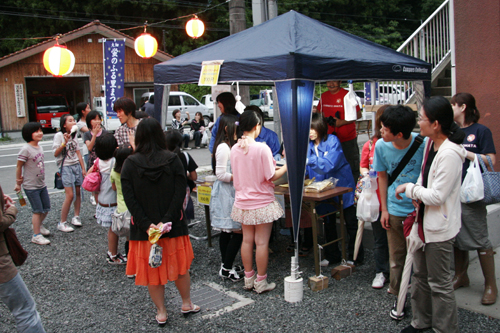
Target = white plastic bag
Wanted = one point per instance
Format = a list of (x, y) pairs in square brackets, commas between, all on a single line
[(368, 206), (472, 188), (204, 138)]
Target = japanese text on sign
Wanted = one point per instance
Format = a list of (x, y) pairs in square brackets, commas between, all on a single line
[(114, 72), (204, 194), (20, 109), (210, 70)]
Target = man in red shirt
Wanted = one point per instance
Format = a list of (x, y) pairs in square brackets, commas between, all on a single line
[(331, 103)]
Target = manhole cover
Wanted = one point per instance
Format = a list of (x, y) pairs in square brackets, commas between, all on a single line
[(215, 300)]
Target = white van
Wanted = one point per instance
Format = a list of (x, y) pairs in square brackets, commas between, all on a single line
[(184, 102), (265, 103), (209, 103)]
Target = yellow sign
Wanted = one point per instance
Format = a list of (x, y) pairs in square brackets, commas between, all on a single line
[(204, 194), (209, 75)]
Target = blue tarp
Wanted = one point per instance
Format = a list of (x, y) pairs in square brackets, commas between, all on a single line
[(294, 46)]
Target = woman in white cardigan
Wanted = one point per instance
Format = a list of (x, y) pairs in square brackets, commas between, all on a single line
[(437, 193)]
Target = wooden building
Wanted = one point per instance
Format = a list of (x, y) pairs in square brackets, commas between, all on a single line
[(23, 75)]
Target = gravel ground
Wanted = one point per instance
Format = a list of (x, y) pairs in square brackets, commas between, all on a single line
[(76, 290)]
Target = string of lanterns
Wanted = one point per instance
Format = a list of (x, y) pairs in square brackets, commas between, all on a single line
[(59, 61)]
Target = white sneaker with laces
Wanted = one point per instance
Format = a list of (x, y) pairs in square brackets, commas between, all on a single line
[(92, 200), (44, 231), (262, 286), (324, 263), (378, 281), (64, 227), (40, 240), (76, 221)]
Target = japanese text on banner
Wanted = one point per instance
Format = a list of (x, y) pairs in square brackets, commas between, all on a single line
[(114, 72)]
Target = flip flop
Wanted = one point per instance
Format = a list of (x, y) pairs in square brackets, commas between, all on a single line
[(290, 248), (161, 323), (303, 252), (194, 309)]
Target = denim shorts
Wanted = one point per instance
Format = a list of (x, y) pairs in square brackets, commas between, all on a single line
[(39, 200), (72, 175)]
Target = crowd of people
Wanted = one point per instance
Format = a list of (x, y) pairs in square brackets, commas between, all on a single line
[(146, 182)]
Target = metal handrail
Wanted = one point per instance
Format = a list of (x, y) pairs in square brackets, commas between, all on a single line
[(431, 42)]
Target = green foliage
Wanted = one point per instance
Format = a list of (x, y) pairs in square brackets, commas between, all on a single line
[(387, 22), (195, 90)]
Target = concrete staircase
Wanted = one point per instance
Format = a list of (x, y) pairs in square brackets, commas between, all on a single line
[(441, 85)]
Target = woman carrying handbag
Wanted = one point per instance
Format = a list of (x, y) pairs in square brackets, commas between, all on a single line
[(474, 232), (437, 191), (13, 292)]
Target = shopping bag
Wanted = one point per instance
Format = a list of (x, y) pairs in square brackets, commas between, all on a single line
[(204, 138), (491, 181), (472, 189), (368, 206)]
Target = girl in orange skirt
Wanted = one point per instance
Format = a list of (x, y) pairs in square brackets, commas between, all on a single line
[(154, 186)]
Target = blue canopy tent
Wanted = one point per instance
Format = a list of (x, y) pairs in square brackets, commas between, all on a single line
[(293, 51)]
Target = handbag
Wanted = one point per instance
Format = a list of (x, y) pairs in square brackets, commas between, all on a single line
[(58, 176), (472, 189), (92, 181), (120, 224), (491, 180), (15, 248)]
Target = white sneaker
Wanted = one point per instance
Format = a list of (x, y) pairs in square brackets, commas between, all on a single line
[(324, 263), (249, 282), (76, 221), (378, 281), (40, 240), (92, 200), (43, 231), (64, 227), (262, 286)]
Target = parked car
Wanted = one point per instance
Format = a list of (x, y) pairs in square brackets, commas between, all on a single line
[(209, 103), (184, 102), (361, 95), (265, 102), (391, 94)]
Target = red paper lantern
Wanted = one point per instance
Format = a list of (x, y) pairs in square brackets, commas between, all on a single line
[(58, 60), (195, 27), (146, 46)]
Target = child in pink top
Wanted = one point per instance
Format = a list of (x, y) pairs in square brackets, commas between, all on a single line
[(255, 206)]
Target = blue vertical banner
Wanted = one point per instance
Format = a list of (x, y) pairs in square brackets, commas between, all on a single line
[(114, 72), (368, 93)]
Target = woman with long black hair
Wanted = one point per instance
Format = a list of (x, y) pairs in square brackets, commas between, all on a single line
[(154, 187)]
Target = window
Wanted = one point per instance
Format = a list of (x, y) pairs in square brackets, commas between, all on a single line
[(188, 100), (174, 101)]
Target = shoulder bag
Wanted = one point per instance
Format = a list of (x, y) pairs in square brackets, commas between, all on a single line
[(92, 181), (58, 176), (404, 161), (16, 250), (491, 181)]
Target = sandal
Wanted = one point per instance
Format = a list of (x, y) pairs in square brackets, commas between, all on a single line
[(290, 248), (161, 323), (194, 309)]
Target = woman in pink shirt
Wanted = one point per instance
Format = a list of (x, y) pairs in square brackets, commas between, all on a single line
[(255, 206)]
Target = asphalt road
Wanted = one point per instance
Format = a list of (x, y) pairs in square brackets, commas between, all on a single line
[(9, 151)]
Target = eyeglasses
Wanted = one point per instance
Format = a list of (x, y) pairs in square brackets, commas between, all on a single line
[(423, 119)]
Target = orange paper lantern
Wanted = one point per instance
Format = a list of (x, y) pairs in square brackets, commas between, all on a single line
[(58, 60), (195, 27), (146, 46)]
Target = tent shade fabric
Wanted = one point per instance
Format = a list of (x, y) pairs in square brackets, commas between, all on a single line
[(294, 46), (295, 100)]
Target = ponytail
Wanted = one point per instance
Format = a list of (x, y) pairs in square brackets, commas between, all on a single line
[(455, 134)]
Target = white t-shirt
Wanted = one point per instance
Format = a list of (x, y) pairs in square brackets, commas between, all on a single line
[(81, 124), (72, 147)]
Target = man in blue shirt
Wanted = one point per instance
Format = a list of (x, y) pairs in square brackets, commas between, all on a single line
[(267, 136), (397, 124)]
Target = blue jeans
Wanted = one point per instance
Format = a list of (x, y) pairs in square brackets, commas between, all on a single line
[(39, 200), (17, 297), (186, 138), (380, 248)]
